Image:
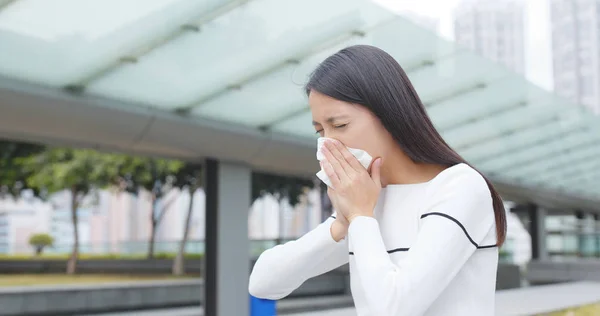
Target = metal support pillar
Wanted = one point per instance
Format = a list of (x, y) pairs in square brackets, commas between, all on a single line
[(537, 219), (227, 260)]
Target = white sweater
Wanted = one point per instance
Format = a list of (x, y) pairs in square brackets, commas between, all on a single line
[(430, 250)]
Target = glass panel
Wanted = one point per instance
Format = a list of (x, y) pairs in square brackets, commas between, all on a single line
[(573, 169), (526, 158), (496, 96), (521, 118), (88, 36), (264, 102), (570, 243), (504, 123), (270, 99), (584, 175), (300, 125), (554, 243), (280, 92), (530, 136), (454, 75), (531, 171), (236, 46), (413, 47), (583, 181)]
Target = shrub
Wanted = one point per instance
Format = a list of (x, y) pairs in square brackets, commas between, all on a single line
[(40, 241)]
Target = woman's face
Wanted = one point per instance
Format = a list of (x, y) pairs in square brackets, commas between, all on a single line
[(352, 124)]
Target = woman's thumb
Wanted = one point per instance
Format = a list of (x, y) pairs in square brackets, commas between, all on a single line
[(376, 171)]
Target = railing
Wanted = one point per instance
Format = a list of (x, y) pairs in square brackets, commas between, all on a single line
[(162, 249), (133, 248)]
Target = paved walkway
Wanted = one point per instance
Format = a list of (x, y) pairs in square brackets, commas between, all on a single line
[(523, 301), (334, 312), (547, 298)]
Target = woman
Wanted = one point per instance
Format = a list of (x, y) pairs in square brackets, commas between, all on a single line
[(420, 228)]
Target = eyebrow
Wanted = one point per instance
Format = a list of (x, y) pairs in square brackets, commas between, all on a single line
[(331, 119)]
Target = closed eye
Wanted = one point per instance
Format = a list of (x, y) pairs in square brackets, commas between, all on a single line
[(337, 127)]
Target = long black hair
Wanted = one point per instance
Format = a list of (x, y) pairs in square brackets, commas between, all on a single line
[(369, 76)]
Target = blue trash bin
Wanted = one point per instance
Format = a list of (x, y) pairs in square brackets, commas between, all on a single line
[(262, 307)]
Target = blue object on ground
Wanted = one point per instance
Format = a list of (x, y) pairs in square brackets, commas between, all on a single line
[(262, 307)]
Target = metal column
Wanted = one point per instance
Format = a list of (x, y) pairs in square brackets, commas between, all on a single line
[(227, 260), (537, 229)]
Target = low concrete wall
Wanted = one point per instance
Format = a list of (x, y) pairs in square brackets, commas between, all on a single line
[(544, 272), (84, 299), (125, 266), (508, 277), (80, 299)]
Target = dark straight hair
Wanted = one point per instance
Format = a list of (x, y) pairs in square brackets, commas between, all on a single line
[(369, 76)]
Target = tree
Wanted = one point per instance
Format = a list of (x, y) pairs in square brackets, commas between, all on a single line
[(78, 170), (40, 241), (157, 176), (12, 174), (189, 177), (282, 187)]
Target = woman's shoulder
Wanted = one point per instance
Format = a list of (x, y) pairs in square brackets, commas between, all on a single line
[(460, 176), (460, 182)]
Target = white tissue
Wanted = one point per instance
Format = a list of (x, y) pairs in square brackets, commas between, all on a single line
[(363, 157)]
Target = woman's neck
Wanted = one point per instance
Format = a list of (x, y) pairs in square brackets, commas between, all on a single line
[(399, 169)]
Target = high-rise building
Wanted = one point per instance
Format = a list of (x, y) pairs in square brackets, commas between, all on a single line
[(576, 50), (19, 219), (494, 29)]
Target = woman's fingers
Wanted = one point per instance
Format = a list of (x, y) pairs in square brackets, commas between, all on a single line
[(337, 166), (348, 156), (330, 172), (339, 157)]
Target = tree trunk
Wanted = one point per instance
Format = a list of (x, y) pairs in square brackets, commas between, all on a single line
[(72, 263), (151, 241), (153, 223), (155, 218), (281, 221), (179, 262)]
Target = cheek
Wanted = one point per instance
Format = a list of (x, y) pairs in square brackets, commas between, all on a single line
[(367, 140), (373, 140)]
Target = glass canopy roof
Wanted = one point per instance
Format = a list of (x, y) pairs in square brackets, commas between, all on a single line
[(244, 63)]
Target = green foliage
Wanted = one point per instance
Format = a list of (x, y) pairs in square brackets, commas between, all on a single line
[(154, 175), (157, 176), (12, 175), (40, 241), (280, 186), (79, 170), (190, 175)]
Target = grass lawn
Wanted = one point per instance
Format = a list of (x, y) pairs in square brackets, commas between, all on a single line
[(45, 279), (588, 310)]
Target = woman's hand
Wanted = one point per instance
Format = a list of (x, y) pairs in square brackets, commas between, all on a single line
[(355, 191), (339, 227)]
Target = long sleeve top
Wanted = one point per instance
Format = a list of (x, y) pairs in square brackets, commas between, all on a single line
[(430, 249)]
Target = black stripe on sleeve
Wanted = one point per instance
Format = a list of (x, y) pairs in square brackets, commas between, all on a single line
[(461, 226)]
